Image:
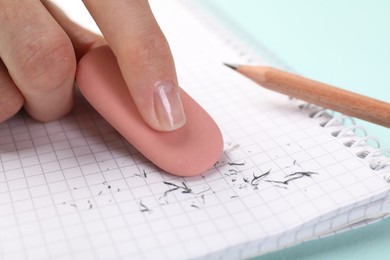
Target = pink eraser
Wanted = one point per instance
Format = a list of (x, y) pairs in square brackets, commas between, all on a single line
[(187, 151)]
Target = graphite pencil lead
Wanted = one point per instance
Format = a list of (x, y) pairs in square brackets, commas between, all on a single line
[(232, 66)]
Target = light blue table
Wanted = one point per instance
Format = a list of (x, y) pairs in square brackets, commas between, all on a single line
[(344, 43)]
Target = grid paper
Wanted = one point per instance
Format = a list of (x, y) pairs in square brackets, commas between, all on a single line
[(75, 189)]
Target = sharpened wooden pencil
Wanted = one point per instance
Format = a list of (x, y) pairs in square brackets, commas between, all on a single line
[(324, 95)]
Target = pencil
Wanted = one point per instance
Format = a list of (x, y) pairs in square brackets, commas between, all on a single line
[(314, 92)]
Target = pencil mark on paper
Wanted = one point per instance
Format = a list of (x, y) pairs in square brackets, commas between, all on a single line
[(233, 171), (184, 188), (144, 208), (193, 204), (90, 204), (291, 177), (301, 174), (237, 164), (256, 179)]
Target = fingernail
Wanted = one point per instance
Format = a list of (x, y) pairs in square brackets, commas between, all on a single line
[(168, 106)]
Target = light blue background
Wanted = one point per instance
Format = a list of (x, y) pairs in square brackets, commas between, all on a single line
[(345, 43)]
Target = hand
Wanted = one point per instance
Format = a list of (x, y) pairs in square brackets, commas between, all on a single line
[(39, 48)]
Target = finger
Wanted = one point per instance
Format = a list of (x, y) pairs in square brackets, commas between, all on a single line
[(82, 39), (144, 58), (11, 100), (39, 57)]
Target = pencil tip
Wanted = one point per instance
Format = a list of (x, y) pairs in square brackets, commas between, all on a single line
[(232, 66)]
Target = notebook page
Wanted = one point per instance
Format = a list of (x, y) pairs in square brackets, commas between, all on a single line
[(75, 189)]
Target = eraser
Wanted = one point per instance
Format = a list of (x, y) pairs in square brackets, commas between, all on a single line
[(187, 151)]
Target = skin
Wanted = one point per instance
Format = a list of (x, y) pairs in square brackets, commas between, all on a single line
[(40, 46)]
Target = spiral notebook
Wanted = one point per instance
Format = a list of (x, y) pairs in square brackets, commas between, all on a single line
[(290, 171)]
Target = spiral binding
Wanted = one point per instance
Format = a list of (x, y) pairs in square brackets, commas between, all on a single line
[(365, 147)]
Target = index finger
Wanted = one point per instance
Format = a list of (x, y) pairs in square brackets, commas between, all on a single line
[(144, 58)]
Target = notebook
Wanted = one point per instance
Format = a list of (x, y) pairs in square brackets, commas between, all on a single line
[(290, 171)]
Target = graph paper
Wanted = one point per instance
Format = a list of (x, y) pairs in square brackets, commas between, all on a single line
[(75, 189)]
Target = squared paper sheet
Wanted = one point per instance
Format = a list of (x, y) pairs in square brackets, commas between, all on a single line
[(75, 189)]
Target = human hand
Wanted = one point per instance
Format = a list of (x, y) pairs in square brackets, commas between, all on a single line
[(39, 48)]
